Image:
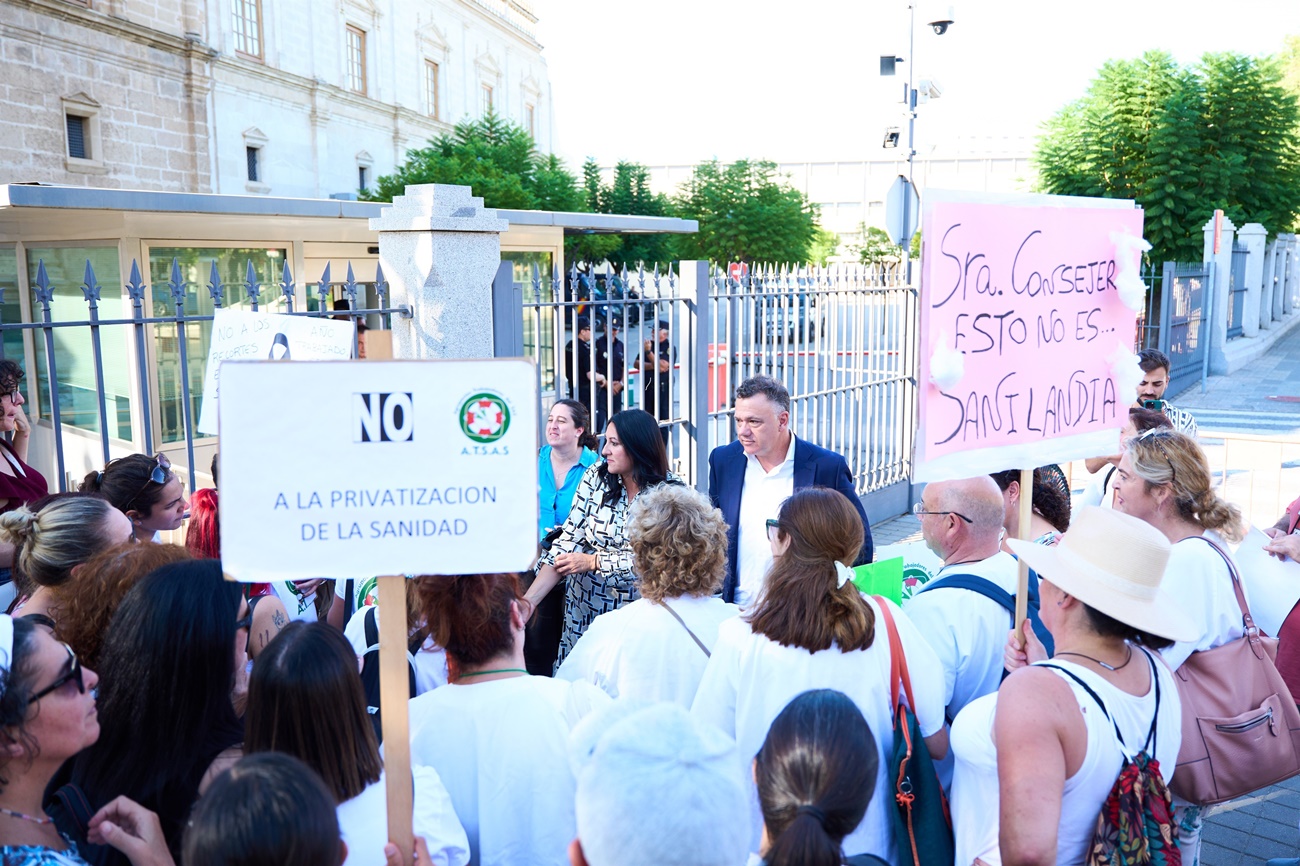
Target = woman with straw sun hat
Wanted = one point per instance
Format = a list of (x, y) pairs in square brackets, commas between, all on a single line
[(1038, 758)]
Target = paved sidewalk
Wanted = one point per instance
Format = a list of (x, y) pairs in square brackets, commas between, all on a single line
[(1276, 374)]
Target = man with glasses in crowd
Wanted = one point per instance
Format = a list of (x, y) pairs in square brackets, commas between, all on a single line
[(961, 521)]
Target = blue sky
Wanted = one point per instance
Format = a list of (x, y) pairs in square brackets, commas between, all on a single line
[(678, 81)]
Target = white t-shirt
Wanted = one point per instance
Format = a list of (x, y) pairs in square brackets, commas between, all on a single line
[(430, 661), (501, 749), (1199, 579), (967, 630), (363, 822), (760, 500), (299, 607), (975, 793), (1100, 490), (641, 652), (750, 679)]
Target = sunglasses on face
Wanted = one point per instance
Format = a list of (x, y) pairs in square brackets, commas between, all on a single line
[(73, 675)]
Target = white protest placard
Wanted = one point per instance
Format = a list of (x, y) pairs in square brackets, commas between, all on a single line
[(335, 469), (242, 335), (1028, 310)]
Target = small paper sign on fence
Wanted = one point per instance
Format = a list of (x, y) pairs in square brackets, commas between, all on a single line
[(242, 335), (1028, 313), (336, 469)]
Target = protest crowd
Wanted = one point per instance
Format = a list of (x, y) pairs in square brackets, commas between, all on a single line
[(683, 678)]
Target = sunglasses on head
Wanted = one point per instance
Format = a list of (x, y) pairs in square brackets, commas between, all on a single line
[(1155, 434), (73, 675), (159, 475)]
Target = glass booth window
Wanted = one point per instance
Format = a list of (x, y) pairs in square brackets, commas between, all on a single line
[(195, 271), (74, 359), (11, 307)]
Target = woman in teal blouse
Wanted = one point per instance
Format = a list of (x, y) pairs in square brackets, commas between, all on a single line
[(570, 449)]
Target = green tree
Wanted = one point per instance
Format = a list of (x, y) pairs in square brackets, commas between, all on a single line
[(874, 246), (746, 212), (1182, 142), (497, 159), (628, 192), (825, 243)]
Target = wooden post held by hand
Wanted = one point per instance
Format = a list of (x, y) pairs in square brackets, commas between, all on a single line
[(1026, 530), (394, 695)]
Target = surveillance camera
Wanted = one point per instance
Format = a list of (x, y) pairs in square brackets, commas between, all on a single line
[(942, 21)]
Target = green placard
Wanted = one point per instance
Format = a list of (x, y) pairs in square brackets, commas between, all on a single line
[(881, 578)]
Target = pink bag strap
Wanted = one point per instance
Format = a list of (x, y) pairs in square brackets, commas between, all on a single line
[(1252, 630)]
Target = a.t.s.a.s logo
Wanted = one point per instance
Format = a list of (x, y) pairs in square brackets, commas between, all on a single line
[(484, 419), (383, 417)]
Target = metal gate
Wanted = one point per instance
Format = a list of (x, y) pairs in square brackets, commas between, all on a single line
[(1237, 289), (1184, 322)]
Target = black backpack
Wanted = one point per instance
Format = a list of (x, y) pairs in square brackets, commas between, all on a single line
[(991, 590), (370, 669)]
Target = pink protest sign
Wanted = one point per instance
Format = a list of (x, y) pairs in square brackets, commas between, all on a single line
[(1026, 338)]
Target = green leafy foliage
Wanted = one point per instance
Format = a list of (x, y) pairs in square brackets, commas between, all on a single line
[(497, 159), (1182, 142), (873, 246), (746, 214), (628, 192)]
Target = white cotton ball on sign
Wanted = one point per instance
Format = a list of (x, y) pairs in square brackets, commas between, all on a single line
[(947, 365), (1128, 260), (1125, 369), (1132, 291)]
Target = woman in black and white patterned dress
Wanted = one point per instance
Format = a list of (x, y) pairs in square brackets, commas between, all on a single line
[(592, 552)]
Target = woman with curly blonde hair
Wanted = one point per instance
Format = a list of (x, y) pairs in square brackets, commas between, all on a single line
[(656, 648)]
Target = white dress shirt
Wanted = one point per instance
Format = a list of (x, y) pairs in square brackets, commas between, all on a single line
[(760, 501)]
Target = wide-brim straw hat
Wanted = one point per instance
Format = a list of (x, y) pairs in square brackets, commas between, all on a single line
[(1113, 562)]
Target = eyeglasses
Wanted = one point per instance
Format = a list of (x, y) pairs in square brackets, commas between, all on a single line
[(918, 508), (1155, 435), (14, 396), (73, 675), (161, 471), (773, 528)]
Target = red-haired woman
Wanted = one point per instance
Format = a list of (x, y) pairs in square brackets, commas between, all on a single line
[(497, 736)]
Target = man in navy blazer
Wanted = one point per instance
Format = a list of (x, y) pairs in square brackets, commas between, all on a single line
[(751, 477)]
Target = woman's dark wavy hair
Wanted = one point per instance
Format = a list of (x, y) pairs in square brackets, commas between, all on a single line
[(305, 699), (127, 483), (1049, 502), (269, 809), (16, 687), (167, 670), (816, 773), (639, 432), (582, 419)]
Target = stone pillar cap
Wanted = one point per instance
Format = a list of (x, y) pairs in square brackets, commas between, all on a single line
[(438, 207)]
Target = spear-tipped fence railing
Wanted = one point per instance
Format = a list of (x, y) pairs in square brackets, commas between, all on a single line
[(178, 292)]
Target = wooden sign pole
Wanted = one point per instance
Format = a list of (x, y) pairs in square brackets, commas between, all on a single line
[(1026, 531), (394, 695)]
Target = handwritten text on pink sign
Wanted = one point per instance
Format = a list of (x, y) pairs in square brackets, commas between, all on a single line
[(1028, 296)]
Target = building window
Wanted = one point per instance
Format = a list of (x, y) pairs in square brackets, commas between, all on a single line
[(361, 177), (485, 93), (431, 89), (248, 27), (530, 120), (78, 129), (254, 157), (356, 60)]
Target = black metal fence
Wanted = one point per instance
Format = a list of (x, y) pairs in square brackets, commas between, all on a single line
[(157, 318)]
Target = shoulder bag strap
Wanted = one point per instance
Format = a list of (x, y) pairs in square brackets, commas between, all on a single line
[(699, 643), (897, 661), (1252, 632), (372, 629)]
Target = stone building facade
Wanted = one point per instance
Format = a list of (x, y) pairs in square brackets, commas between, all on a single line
[(296, 98)]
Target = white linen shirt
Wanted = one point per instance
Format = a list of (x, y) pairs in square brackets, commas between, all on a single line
[(760, 500), (641, 652), (363, 822), (967, 630), (1199, 579), (501, 750), (750, 679)]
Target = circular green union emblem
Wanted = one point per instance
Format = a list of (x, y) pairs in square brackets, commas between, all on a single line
[(485, 417)]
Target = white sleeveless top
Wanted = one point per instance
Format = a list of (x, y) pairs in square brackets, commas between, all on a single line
[(975, 781)]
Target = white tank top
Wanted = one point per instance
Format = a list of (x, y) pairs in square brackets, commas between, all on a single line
[(975, 784)]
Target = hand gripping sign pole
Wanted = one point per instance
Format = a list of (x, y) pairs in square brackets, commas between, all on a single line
[(428, 461)]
